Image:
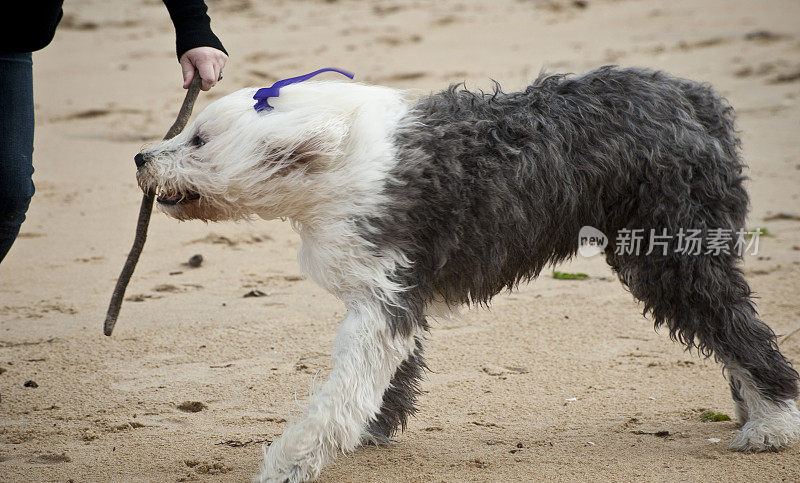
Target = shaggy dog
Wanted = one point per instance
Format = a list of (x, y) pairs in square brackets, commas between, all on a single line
[(410, 210)]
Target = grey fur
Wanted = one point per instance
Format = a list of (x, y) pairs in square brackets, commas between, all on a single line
[(398, 400), (493, 187)]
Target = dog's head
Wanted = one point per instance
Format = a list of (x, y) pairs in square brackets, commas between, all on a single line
[(233, 162)]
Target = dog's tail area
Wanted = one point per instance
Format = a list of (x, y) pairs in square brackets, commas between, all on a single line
[(716, 115)]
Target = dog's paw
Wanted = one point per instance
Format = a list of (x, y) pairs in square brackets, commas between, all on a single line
[(772, 431), (298, 455), (275, 471), (294, 474), (369, 438)]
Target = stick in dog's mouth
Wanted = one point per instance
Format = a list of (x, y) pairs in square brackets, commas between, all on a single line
[(146, 209)]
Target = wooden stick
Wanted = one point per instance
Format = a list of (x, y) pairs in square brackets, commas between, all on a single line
[(145, 209)]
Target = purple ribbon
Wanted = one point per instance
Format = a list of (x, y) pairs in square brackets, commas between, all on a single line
[(263, 94)]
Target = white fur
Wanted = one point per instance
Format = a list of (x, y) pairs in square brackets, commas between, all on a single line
[(365, 359), (766, 425), (320, 158), (250, 163)]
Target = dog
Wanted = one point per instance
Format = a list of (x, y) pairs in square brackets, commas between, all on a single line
[(412, 209)]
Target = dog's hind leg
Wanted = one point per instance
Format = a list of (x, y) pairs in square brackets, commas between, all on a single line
[(399, 399), (768, 424), (706, 303), (367, 356)]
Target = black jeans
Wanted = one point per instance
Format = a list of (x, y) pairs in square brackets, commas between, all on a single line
[(16, 144)]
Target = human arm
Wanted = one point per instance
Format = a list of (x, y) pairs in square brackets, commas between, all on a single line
[(197, 46)]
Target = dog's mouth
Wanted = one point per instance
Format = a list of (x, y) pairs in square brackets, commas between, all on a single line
[(177, 198)]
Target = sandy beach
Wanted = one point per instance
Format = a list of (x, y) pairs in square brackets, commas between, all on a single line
[(561, 380)]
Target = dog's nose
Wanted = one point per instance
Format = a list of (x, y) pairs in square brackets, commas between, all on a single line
[(139, 160)]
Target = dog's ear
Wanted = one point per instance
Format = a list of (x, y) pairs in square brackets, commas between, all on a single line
[(314, 151), (308, 155)]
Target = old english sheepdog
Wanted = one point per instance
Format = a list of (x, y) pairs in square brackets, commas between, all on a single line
[(409, 210)]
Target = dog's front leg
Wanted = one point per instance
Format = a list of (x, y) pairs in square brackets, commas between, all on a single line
[(365, 358)]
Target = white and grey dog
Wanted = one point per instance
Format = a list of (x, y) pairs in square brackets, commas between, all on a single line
[(408, 210)]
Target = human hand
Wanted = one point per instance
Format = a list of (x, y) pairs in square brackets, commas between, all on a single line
[(208, 61)]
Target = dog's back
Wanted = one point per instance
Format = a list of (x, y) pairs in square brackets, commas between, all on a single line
[(490, 188)]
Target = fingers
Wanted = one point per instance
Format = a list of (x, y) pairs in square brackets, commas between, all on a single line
[(188, 71), (206, 71), (209, 63)]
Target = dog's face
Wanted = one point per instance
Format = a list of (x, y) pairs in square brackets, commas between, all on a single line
[(233, 162)]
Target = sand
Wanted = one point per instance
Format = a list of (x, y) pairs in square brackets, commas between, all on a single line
[(562, 380)]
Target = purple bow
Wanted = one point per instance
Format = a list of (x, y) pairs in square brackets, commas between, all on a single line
[(273, 91)]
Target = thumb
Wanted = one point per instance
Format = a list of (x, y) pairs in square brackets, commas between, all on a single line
[(188, 71)]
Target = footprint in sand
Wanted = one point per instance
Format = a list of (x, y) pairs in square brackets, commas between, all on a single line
[(403, 76), (94, 113), (765, 36), (208, 467), (39, 309), (30, 234), (89, 259), (394, 41), (232, 241), (49, 459), (169, 288), (384, 10), (72, 22)]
